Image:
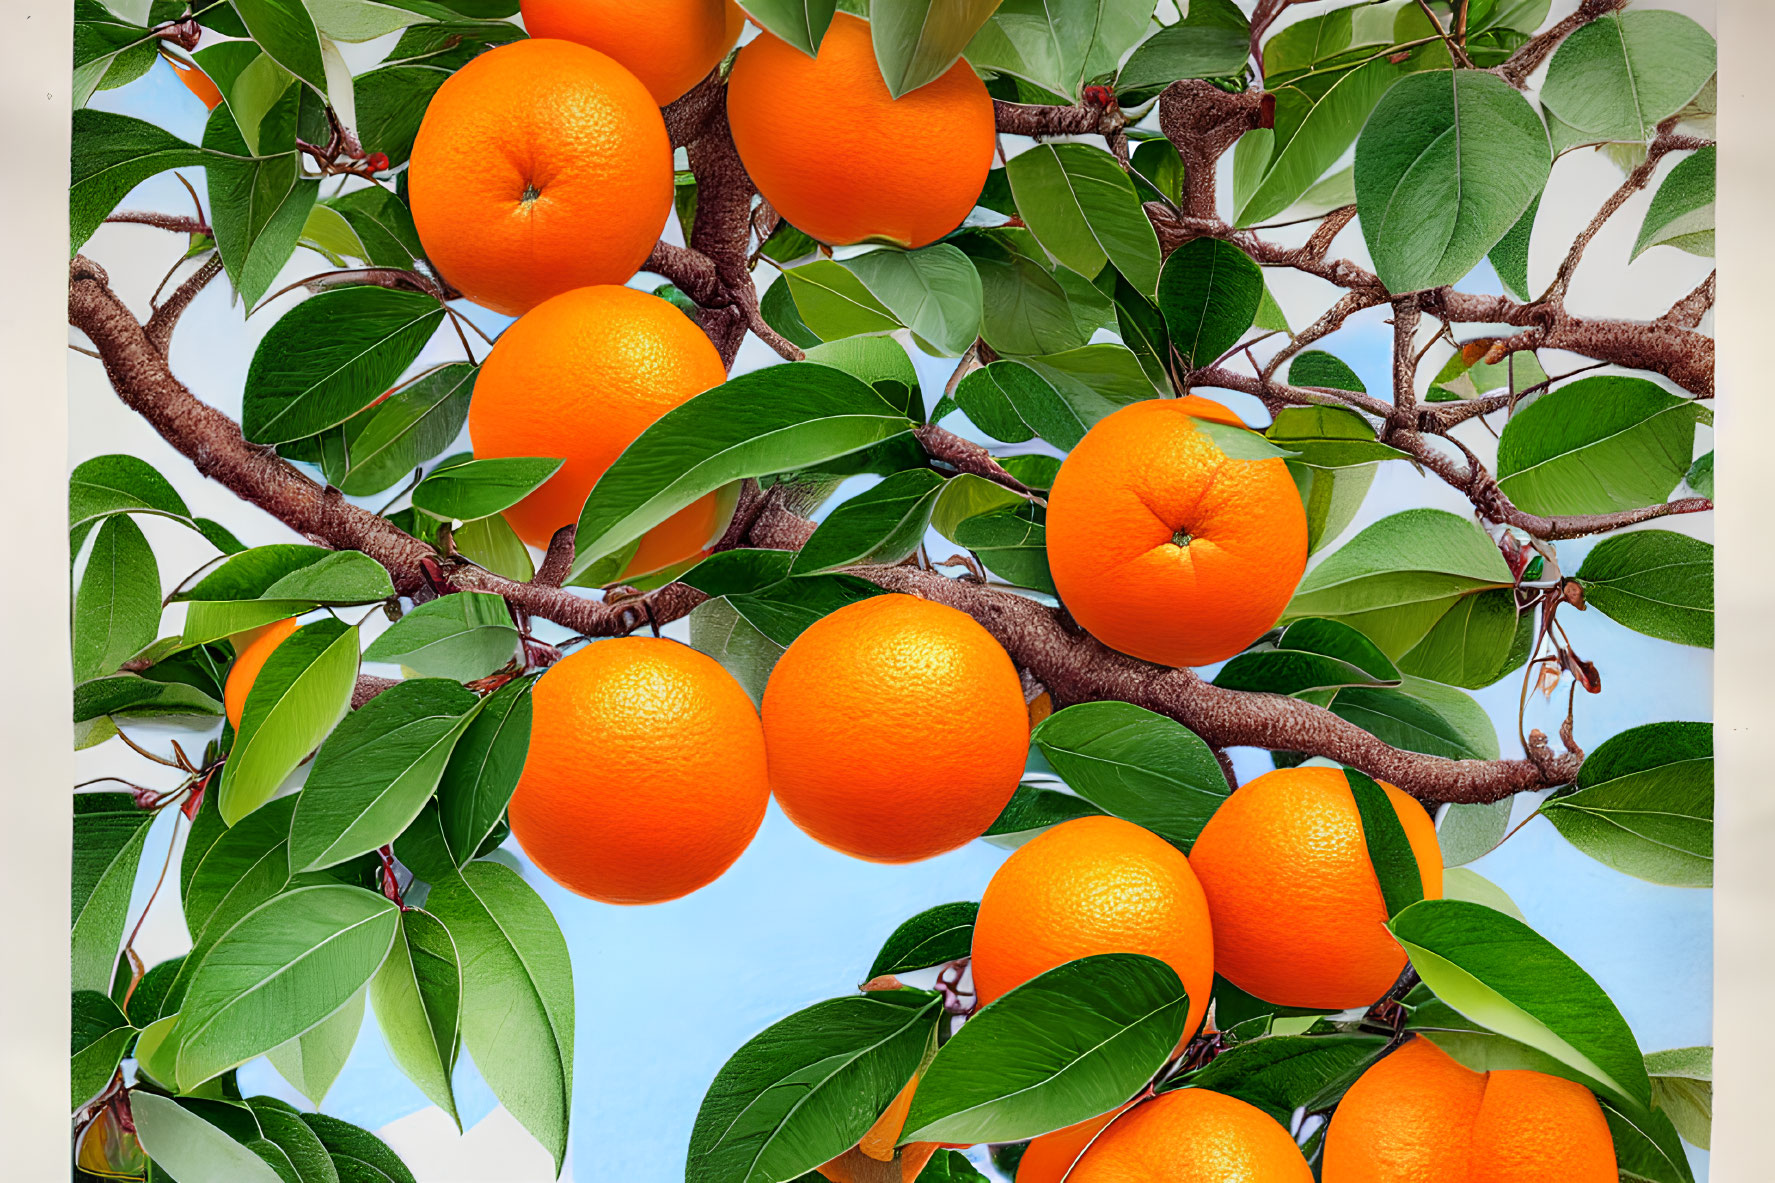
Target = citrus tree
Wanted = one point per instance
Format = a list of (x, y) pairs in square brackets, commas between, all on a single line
[(1039, 604)]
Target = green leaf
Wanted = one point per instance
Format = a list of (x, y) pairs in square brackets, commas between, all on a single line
[(1423, 717), (304, 688), (359, 1155), (1142, 329), (270, 583), (916, 41), (1011, 544), (258, 198), (1281, 1074), (1136, 765), (286, 32), (99, 1035), (1073, 390), (1597, 445), (780, 313), (1082, 208), (382, 224), (1518, 372), (240, 868), (1700, 476), (287, 1140), (108, 485), (1064, 1046), (757, 424), (391, 102), (833, 302), (1315, 126), (1311, 654), (1397, 578), (1646, 1146), (802, 23), (493, 544), (134, 695), (117, 606), (1473, 643), (1211, 41), (882, 524), (1209, 292), (1464, 832), (1618, 77), (805, 1089), (517, 994), (108, 51), (1030, 306), (1510, 256), (461, 637), (1500, 973), (1682, 1086), (330, 356), (1031, 810), (1681, 213), (933, 937), (934, 291), (1059, 45), (1644, 804), (376, 770), (879, 361), (1395, 864), (418, 999), (109, 831), (1327, 437), (484, 769), (1460, 883), (312, 1061), (186, 1146), (112, 154), (1331, 497), (482, 488), (281, 970), (1446, 165), (389, 439), (1655, 582)]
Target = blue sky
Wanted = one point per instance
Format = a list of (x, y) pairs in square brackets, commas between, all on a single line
[(666, 993)]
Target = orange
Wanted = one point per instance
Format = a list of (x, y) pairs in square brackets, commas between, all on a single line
[(1193, 1136), (1164, 548), (896, 729), (844, 161), (1049, 1157), (1420, 1117), (1298, 914), (646, 776), (197, 82), (251, 649), (670, 45), (541, 166), (579, 377), (1093, 885)]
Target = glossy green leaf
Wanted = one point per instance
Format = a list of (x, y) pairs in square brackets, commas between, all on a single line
[(99, 1033), (359, 1155), (917, 41), (1212, 40), (258, 198), (780, 312), (1472, 644), (186, 1146), (133, 695), (721, 628), (1655, 582), (1284, 1073), (224, 879), (312, 1061), (1064, 1046), (1311, 654), (1644, 804), (1314, 128), (754, 425), (1618, 77), (1682, 1086), (1597, 445), (1069, 392), (1011, 544), (481, 488), (1142, 329), (806, 1088), (281, 970), (1136, 765), (1510, 257), (484, 768), (1209, 291), (1328, 437), (1421, 716), (112, 154), (461, 637), (934, 291), (1700, 476), (1465, 832), (1030, 306), (1681, 213), (1031, 810), (517, 994), (386, 441), (330, 356), (882, 524), (1446, 165), (106, 485), (1397, 578), (303, 689), (286, 1141), (802, 23), (1503, 975), (1059, 45), (391, 103), (1389, 850), (1646, 1146), (834, 303), (1081, 206), (117, 605), (418, 999), (109, 831), (381, 223), (493, 544), (285, 31), (933, 937), (1331, 497), (376, 771)]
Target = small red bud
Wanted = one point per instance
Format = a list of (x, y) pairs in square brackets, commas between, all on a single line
[(377, 161)]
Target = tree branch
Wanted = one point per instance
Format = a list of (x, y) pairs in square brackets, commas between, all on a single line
[(159, 329), (964, 455), (1527, 60), (1687, 312)]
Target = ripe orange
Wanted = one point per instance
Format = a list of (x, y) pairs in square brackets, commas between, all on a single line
[(896, 729), (1193, 1136), (1049, 1157), (579, 377), (670, 45), (844, 161), (1420, 1117), (1298, 914), (1094, 885), (251, 649), (646, 776), (1164, 548), (541, 166), (197, 82)]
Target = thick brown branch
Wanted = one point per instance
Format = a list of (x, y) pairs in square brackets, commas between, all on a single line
[(1687, 312), (965, 455), (691, 271), (159, 329), (1202, 122), (1036, 119)]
